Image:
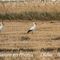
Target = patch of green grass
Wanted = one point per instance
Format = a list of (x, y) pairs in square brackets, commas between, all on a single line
[(31, 16)]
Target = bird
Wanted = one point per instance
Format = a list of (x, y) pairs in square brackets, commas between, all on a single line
[(32, 28), (1, 26)]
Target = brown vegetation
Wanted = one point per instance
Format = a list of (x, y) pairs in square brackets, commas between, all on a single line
[(45, 40)]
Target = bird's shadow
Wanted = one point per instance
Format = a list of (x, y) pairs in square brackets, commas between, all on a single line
[(25, 38)]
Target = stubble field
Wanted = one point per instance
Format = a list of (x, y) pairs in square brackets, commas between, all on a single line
[(42, 44)]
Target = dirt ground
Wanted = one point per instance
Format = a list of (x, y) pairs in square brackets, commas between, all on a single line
[(47, 35)]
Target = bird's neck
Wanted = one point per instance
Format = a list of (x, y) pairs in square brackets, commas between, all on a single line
[(34, 25)]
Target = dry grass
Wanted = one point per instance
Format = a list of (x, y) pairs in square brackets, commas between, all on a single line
[(36, 46), (19, 7), (29, 11)]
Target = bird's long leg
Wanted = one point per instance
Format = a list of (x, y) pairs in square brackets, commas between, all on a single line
[(0, 30), (32, 32)]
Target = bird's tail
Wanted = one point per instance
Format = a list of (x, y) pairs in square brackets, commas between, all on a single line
[(29, 31)]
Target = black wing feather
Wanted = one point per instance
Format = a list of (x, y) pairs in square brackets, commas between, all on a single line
[(29, 31)]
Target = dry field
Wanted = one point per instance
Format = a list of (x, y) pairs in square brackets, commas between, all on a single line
[(43, 44), (22, 7)]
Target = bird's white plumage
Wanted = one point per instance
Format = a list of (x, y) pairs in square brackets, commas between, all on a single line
[(33, 27), (53, 0), (1, 26)]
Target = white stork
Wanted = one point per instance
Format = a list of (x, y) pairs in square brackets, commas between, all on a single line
[(1, 26), (33, 28)]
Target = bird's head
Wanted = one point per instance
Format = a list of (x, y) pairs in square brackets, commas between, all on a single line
[(35, 23)]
